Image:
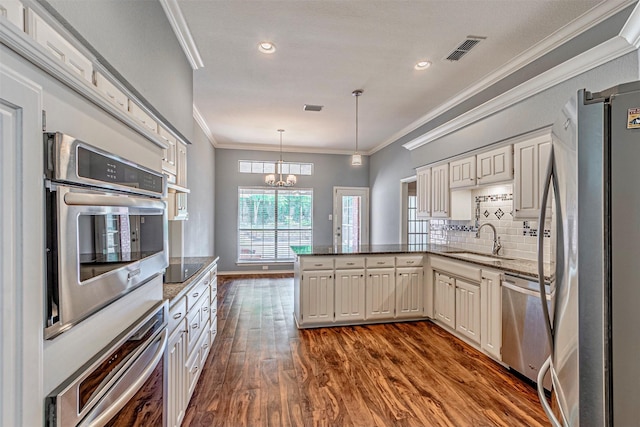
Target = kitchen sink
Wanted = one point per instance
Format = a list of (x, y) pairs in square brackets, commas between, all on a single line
[(479, 257)]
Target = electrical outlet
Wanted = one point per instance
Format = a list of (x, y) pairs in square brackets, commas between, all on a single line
[(265, 267)]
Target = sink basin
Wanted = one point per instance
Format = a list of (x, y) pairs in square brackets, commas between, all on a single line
[(478, 257)]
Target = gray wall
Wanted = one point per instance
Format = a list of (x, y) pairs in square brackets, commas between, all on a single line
[(136, 39), (329, 171), (199, 229), (394, 162)]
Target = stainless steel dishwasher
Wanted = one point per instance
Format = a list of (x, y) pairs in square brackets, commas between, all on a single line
[(525, 346)]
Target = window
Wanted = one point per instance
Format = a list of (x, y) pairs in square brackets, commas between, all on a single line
[(270, 220), (269, 166), (417, 229)]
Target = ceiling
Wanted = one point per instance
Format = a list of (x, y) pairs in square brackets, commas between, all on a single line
[(327, 49)]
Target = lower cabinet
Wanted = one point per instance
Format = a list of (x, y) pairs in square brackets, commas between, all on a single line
[(380, 293), (409, 288), (316, 293), (468, 309), (349, 295), (444, 305), (192, 328), (491, 313)]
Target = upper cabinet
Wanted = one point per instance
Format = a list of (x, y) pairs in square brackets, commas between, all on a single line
[(495, 165), (462, 173), (140, 115), (59, 47), (440, 191), (115, 95), (170, 153), (181, 165), (423, 192), (13, 11), (531, 158)]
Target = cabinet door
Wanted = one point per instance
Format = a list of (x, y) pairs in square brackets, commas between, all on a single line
[(146, 120), (112, 93), (316, 290), (64, 51), (491, 313), (13, 11), (440, 191), (177, 377), (462, 173), (468, 309), (349, 295), (423, 192), (181, 165), (177, 206), (380, 293), (495, 165), (445, 300), (169, 153), (409, 288), (531, 158)]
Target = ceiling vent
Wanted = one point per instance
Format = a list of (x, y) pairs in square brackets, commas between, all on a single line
[(310, 107), (464, 48)]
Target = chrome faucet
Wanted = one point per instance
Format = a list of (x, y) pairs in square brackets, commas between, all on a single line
[(496, 240)]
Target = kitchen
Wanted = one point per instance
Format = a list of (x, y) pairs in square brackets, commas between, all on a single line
[(129, 44)]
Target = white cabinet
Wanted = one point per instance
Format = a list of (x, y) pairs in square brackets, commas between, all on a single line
[(141, 116), (181, 165), (59, 47), (380, 293), (468, 309), (409, 288), (316, 293), (177, 206), (111, 92), (462, 173), (177, 376), (495, 165), (531, 158), (13, 11), (444, 306), (491, 313), (170, 153), (440, 191), (349, 295), (423, 192)]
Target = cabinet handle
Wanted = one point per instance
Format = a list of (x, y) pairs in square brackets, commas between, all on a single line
[(196, 294), (350, 263), (177, 316), (380, 262), (362, 275), (206, 282), (195, 326), (329, 277), (195, 368), (205, 346), (317, 265), (410, 262), (205, 308)]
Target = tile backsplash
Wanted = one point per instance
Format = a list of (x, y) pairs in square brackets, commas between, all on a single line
[(493, 205)]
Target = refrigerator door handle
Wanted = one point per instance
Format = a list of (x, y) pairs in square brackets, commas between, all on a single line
[(541, 220), (542, 397)]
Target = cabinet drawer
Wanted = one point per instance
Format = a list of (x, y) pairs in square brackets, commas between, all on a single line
[(409, 261), (193, 372), (197, 291), (316, 263), (214, 308), (177, 314), (205, 309), (205, 344), (380, 261), (213, 282), (457, 268), (349, 262), (213, 332), (143, 117)]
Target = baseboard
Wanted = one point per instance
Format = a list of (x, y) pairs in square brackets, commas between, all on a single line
[(256, 273)]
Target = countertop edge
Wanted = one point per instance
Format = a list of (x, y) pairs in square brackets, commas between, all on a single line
[(172, 292)]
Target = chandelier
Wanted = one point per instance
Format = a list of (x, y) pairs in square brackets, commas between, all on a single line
[(270, 179), (356, 158)]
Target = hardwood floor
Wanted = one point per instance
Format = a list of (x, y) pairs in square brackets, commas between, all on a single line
[(262, 371)]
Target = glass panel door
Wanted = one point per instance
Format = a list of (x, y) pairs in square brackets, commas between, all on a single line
[(351, 217)]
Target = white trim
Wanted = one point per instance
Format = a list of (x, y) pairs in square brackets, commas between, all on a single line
[(254, 272), (183, 34), (290, 149), (631, 29), (601, 54), (197, 116), (588, 20), (365, 226)]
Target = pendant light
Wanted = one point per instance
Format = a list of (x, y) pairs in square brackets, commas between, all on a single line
[(271, 178), (356, 158)]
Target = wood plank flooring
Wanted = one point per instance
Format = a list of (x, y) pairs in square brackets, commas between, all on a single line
[(262, 371)]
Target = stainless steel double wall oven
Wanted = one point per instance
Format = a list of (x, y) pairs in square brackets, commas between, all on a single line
[(106, 229)]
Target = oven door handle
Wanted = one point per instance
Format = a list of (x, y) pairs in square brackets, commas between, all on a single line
[(83, 199), (127, 386)]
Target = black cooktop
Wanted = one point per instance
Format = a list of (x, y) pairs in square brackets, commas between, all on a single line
[(178, 273)]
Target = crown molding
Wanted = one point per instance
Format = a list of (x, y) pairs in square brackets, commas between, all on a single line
[(197, 116), (183, 34), (616, 47), (581, 24), (290, 149)]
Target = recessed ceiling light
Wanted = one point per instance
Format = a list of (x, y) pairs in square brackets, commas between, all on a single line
[(266, 47), (422, 65)]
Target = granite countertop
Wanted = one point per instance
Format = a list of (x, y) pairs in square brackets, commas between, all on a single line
[(173, 291), (516, 266)]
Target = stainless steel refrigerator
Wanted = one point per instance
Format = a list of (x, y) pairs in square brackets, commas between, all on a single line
[(594, 332)]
